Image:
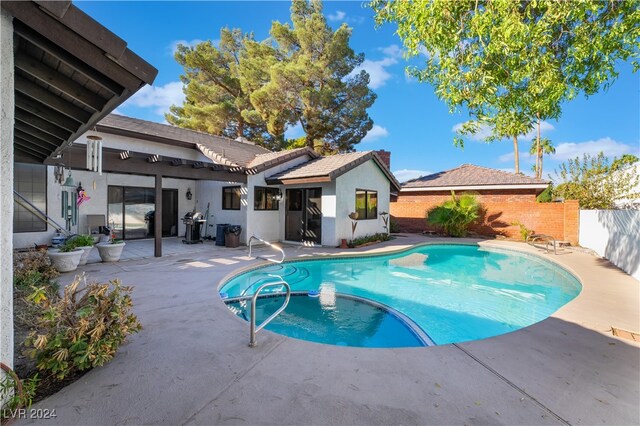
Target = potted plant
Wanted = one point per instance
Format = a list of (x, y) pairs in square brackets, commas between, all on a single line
[(84, 242), (66, 258), (111, 251)]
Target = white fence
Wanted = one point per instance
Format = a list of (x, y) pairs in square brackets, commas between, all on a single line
[(614, 235)]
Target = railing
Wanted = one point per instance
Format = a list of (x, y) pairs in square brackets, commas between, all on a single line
[(273, 246), (547, 239), (252, 327), (18, 198)]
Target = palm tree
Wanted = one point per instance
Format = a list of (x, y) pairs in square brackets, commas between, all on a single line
[(539, 147)]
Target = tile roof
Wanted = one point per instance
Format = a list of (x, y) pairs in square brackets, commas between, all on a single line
[(220, 149), (270, 159), (471, 175), (331, 167)]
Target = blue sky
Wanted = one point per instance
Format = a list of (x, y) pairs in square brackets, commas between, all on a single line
[(409, 120)]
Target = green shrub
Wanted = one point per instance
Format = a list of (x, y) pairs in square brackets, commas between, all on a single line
[(82, 329), (524, 231), (81, 241), (368, 239), (455, 215), (16, 393)]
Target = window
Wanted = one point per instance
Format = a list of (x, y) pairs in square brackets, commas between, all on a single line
[(231, 198), (30, 181), (366, 204), (266, 198)]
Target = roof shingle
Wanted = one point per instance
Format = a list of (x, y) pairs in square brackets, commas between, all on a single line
[(471, 175), (220, 149)]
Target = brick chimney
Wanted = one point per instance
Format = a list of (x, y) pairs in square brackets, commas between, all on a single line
[(385, 156)]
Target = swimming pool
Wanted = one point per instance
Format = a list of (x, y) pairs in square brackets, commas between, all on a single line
[(452, 293)]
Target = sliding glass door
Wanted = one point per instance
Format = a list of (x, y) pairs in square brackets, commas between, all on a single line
[(132, 211)]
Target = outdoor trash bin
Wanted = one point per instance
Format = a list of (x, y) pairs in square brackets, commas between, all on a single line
[(220, 230), (232, 236)]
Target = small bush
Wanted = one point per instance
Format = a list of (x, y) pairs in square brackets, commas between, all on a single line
[(375, 238), (455, 215), (81, 241), (524, 231), (82, 329), (32, 268), (16, 393)]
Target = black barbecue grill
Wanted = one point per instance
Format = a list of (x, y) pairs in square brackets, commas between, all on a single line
[(194, 221)]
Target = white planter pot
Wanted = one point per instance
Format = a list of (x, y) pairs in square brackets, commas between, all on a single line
[(110, 252), (65, 262), (86, 251)]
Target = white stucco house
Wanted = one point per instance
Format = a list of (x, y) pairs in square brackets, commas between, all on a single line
[(294, 196)]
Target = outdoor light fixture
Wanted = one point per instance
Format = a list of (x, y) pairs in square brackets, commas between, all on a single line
[(278, 196), (189, 194), (69, 181)]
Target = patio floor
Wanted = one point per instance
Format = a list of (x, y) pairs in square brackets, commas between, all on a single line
[(191, 363)]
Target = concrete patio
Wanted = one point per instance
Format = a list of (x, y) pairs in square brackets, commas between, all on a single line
[(191, 363)]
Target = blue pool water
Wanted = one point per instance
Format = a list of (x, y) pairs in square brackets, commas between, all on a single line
[(454, 293)]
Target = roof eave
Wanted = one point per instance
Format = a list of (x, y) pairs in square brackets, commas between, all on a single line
[(472, 187)]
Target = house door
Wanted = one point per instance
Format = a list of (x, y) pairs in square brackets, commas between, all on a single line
[(303, 215), (131, 211)]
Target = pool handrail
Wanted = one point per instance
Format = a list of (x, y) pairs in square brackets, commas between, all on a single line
[(275, 247), (547, 239), (252, 321)]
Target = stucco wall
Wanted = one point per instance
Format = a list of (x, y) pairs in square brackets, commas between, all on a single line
[(211, 192), (614, 235), (98, 202), (367, 176), (6, 188), (268, 224)]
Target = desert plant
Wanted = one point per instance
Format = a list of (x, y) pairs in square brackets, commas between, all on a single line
[(81, 241), (394, 226), (15, 393), (524, 231), (369, 239), (82, 329), (455, 215)]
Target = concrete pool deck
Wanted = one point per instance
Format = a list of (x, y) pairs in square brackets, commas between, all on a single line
[(191, 363)]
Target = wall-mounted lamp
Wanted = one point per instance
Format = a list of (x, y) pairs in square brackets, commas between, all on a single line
[(278, 196), (189, 194)]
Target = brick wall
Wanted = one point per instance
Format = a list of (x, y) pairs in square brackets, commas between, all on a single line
[(500, 209)]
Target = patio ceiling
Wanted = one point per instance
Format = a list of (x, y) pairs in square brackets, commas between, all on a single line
[(70, 72)]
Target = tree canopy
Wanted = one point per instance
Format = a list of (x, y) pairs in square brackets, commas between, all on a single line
[(510, 63), (596, 182), (304, 74)]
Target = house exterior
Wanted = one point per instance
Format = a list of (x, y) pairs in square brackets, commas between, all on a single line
[(506, 199), (295, 196), (60, 73)]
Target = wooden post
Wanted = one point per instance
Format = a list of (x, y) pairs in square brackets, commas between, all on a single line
[(157, 229)]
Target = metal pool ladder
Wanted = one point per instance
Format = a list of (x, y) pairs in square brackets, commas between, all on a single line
[(252, 321), (273, 246)]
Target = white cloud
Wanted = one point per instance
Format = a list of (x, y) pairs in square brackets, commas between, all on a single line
[(393, 51), (610, 147), (173, 46), (158, 97), (484, 131), (404, 175), (375, 133), (338, 16)]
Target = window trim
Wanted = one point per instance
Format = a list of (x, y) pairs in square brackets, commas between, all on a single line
[(267, 189), (366, 203), (239, 188)]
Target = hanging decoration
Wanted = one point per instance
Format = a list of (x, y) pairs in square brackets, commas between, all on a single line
[(94, 153), (82, 195), (58, 173)]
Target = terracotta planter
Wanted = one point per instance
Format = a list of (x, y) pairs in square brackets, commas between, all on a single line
[(110, 252), (86, 250), (65, 261)]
